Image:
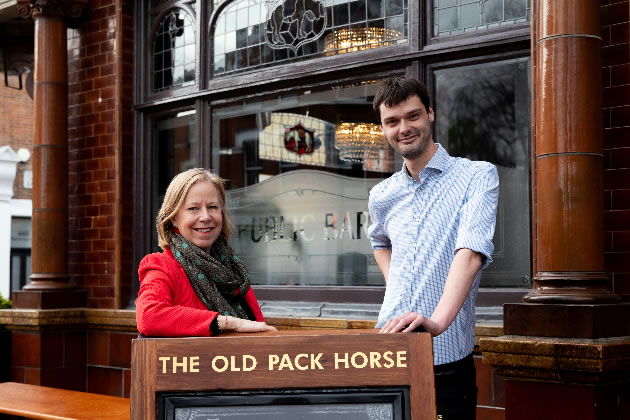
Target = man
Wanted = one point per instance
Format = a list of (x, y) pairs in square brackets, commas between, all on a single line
[(432, 229)]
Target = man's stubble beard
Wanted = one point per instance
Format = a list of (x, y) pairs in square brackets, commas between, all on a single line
[(415, 149)]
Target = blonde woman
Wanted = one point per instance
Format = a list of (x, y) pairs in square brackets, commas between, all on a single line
[(197, 286)]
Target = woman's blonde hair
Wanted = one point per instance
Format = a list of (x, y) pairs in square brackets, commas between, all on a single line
[(175, 196)]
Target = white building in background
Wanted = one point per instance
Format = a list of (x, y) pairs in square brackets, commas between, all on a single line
[(15, 224)]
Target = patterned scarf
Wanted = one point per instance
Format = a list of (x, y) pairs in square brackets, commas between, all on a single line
[(220, 279)]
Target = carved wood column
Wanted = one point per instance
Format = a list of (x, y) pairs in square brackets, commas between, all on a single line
[(49, 259)]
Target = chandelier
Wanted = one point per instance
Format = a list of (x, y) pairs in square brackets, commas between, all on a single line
[(358, 142), (355, 39)]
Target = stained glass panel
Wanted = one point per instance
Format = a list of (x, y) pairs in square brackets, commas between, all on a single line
[(257, 33), (174, 47), (452, 17)]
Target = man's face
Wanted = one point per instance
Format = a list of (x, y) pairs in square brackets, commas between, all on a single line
[(407, 127)]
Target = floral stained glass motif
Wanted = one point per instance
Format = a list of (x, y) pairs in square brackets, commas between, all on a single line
[(173, 53), (452, 17), (251, 34)]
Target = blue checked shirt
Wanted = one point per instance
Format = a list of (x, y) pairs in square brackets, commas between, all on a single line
[(424, 223)]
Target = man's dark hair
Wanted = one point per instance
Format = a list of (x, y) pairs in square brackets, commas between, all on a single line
[(397, 90)]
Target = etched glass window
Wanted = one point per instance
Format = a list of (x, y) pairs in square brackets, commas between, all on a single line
[(451, 17), (173, 57), (256, 33), (297, 186)]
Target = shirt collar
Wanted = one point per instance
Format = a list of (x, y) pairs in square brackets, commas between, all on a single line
[(439, 161)]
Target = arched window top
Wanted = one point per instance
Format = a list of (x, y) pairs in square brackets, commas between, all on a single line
[(248, 34), (173, 52)]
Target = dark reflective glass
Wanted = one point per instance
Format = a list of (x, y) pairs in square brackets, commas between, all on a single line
[(253, 55), (374, 9), (357, 11), (340, 12), (492, 11), (230, 61), (241, 58), (394, 7), (219, 63), (267, 54), (241, 38), (482, 113), (253, 37), (515, 9)]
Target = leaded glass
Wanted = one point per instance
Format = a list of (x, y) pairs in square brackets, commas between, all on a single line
[(257, 33), (452, 17), (174, 46)]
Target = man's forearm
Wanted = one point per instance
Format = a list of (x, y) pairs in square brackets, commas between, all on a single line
[(464, 268), (383, 258)]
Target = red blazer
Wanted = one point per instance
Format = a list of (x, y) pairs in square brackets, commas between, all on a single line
[(167, 305)]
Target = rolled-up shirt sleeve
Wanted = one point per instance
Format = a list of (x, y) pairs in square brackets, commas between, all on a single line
[(478, 214), (378, 236)]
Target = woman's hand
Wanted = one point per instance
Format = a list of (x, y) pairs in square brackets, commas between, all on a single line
[(230, 323)]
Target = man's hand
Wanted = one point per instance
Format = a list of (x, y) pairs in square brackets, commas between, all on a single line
[(408, 322)]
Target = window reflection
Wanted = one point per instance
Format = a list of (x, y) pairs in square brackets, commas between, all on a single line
[(173, 151), (300, 210), (482, 113)]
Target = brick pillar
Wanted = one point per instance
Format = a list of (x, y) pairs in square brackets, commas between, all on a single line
[(50, 286)]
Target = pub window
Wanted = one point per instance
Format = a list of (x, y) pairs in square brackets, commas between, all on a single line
[(250, 34), (482, 113), (299, 168), (174, 150), (451, 17), (173, 52)]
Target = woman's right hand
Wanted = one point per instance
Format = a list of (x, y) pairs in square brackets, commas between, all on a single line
[(230, 323)]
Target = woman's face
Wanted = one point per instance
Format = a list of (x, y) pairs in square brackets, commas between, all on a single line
[(199, 218)]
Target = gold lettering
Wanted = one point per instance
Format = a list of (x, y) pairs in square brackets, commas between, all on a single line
[(285, 362), (344, 360), (183, 364), (353, 360), (251, 367), (164, 359), (225, 364), (297, 361), (401, 359), (233, 367), (388, 357), (315, 361), (374, 359), (194, 362), (273, 360)]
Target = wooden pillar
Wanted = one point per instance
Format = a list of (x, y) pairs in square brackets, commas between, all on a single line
[(50, 286)]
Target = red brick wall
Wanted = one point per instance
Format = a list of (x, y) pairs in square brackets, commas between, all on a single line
[(615, 18), (92, 128), (16, 127)]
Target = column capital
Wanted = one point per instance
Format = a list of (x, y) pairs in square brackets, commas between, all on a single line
[(64, 9)]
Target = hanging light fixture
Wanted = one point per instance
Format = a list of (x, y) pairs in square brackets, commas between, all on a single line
[(358, 142), (355, 39)]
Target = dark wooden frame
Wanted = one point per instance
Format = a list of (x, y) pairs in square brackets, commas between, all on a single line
[(417, 58), (148, 378)]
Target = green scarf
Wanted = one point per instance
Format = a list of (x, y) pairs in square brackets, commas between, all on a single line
[(220, 279)]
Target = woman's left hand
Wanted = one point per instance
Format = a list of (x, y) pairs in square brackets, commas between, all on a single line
[(243, 325)]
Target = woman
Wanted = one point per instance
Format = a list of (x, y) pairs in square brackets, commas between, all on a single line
[(197, 286)]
